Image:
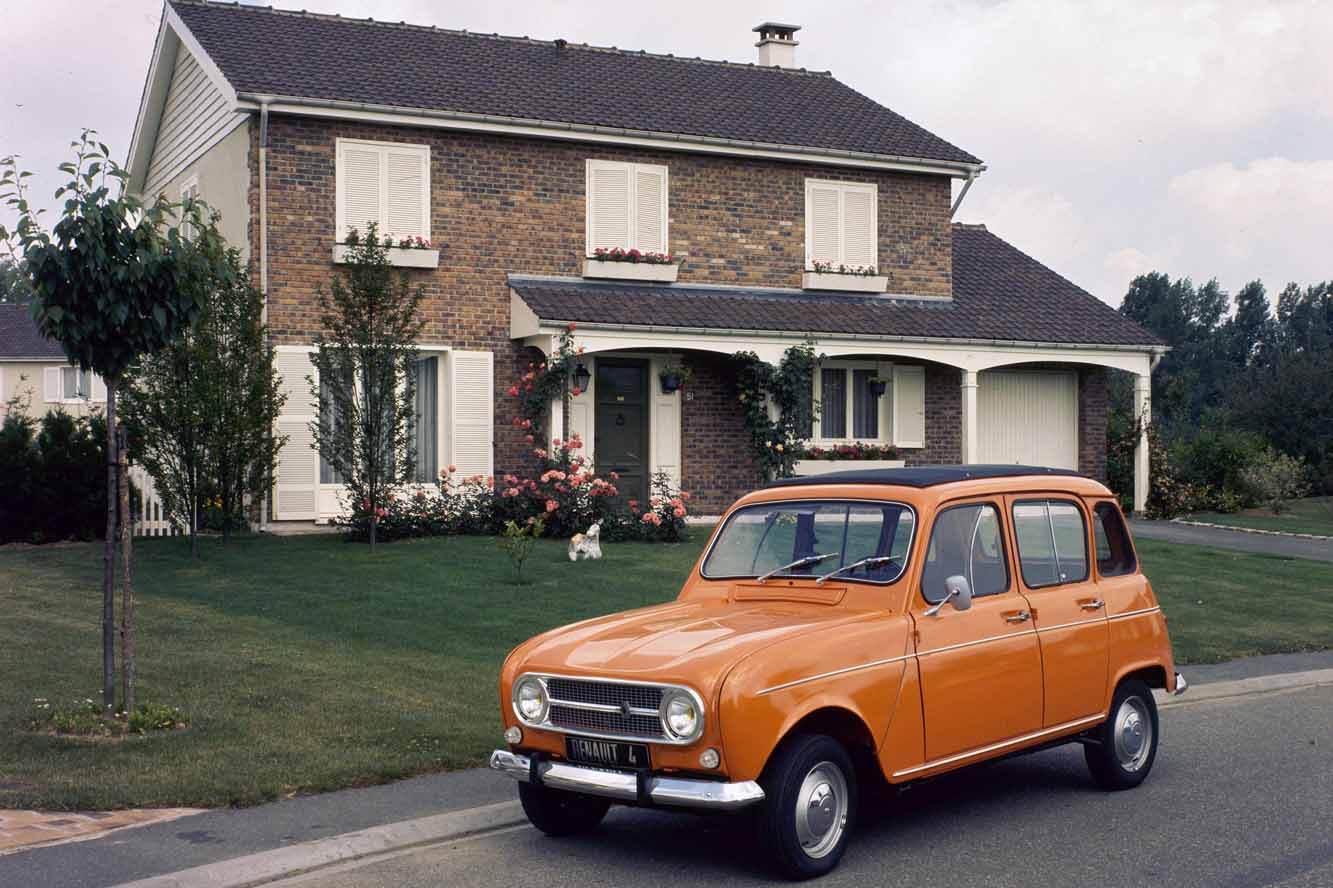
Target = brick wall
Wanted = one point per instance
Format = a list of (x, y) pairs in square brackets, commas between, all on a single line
[(505, 205), (716, 466), (1092, 408), (944, 419)]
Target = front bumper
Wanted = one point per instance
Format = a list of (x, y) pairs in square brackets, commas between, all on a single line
[(627, 786), (1181, 685)]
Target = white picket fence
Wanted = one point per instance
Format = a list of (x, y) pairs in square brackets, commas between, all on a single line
[(149, 519)]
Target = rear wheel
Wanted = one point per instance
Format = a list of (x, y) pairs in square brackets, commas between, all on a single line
[(1126, 743), (559, 813), (809, 806)]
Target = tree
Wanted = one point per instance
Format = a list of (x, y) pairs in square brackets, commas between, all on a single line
[(366, 388), (15, 286), (201, 410), (111, 281)]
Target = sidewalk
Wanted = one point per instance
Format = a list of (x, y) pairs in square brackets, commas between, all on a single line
[(296, 834)]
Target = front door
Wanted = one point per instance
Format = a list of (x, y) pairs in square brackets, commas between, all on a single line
[(620, 425), (980, 668)]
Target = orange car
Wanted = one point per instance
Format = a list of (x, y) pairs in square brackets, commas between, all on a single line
[(859, 625)]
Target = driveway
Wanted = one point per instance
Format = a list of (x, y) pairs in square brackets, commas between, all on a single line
[(1239, 797), (1259, 543)]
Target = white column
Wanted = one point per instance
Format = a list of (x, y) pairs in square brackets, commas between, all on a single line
[(1143, 411), (557, 420), (971, 434)]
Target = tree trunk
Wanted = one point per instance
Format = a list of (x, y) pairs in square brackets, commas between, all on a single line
[(126, 584), (194, 525), (109, 558)]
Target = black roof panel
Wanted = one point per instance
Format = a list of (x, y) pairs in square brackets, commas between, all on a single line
[(921, 476)]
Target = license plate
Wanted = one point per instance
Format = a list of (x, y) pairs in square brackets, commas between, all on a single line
[(606, 753)]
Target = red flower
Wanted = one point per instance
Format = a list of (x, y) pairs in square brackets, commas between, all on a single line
[(573, 327), (513, 391), (576, 391), (552, 505)]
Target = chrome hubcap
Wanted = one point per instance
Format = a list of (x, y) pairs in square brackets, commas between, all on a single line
[(1133, 734), (821, 809)]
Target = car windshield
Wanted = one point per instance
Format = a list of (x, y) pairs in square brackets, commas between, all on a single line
[(767, 537)]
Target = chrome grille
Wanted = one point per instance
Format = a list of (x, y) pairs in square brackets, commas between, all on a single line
[(604, 693), (647, 727), (600, 708)]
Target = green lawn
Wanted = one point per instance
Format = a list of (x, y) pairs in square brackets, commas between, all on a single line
[(1311, 515), (307, 663)]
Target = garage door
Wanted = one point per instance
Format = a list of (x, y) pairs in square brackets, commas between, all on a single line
[(1029, 417)]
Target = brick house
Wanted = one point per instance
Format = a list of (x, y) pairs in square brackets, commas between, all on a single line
[(760, 179)]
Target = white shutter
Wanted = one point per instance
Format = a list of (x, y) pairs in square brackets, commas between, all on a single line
[(99, 388), (408, 173), (359, 186), (822, 238), (664, 428), (858, 227), (471, 426), (650, 208), (298, 462), (608, 205), (909, 407), (51, 384)]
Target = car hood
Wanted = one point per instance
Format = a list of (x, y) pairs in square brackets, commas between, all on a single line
[(693, 643)]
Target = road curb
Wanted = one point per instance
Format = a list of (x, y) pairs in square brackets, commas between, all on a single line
[(1241, 687), (256, 869), (296, 860), (1289, 534)]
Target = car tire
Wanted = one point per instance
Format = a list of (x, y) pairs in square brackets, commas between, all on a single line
[(559, 813), (1121, 750), (809, 806)]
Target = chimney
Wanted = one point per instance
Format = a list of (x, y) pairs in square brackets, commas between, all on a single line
[(777, 44)]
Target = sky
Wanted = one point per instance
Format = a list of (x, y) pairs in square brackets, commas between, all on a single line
[(1192, 138)]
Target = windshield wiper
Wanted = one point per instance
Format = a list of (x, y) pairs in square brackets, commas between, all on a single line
[(875, 561), (799, 562)]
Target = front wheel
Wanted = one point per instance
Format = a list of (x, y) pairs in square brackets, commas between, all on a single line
[(1125, 745), (559, 813), (809, 805)]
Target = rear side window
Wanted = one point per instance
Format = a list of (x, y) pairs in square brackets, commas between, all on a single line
[(965, 541), (1052, 542), (1115, 555)]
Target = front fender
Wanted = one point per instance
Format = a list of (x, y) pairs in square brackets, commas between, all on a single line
[(855, 667)]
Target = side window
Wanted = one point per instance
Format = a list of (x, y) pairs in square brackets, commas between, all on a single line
[(1052, 542), (1115, 556), (966, 542)]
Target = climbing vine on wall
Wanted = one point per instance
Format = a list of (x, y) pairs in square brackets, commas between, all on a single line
[(543, 383), (776, 442)]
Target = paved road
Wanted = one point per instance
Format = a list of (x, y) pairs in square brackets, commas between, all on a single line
[(1260, 543), (1242, 795)]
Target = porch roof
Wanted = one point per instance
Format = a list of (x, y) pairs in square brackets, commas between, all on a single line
[(1000, 294)]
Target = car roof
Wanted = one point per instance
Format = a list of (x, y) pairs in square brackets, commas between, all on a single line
[(922, 476)]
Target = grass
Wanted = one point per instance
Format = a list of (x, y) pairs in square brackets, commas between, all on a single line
[(306, 664), (1311, 515)]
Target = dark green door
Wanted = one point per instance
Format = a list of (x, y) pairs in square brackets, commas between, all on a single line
[(621, 425)]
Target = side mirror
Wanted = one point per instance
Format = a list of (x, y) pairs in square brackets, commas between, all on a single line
[(959, 591), (956, 591)]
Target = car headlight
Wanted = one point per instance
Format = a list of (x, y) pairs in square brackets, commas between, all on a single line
[(682, 715), (530, 700)]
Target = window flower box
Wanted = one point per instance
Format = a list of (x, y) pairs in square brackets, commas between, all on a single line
[(401, 257), (806, 467), (630, 271), (855, 283)]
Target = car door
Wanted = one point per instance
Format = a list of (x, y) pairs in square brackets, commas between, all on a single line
[(1051, 537), (980, 668)]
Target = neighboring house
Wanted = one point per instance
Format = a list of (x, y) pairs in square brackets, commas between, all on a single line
[(518, 158), (35, 371)]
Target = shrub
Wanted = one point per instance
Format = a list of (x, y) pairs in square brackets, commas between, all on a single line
[(663, 521), (1274, 478), (1214, 458), (52, 477), (516, 540)]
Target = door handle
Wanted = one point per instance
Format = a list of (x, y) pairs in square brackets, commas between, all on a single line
[(1095, 604), (1020, 617)]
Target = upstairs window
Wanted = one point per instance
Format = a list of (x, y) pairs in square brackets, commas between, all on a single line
[(189, 193), (385, 183), (70, 385), (627, 206), (841, 224)]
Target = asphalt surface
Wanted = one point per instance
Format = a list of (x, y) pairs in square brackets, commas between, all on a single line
[(1218, 538), (1241, 795)]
